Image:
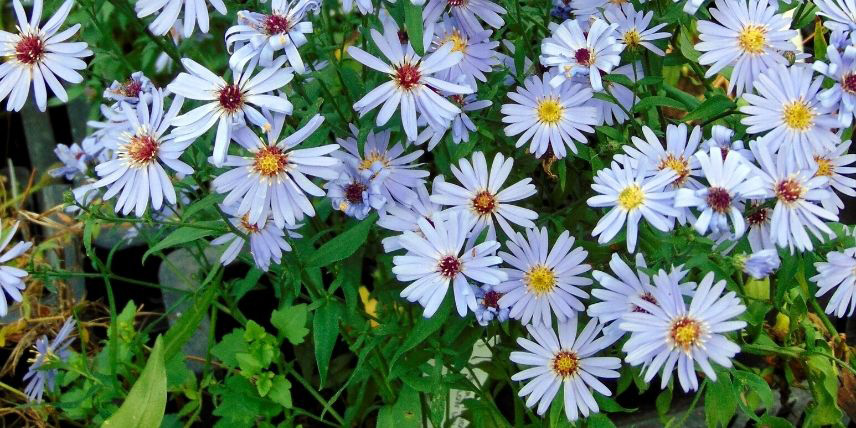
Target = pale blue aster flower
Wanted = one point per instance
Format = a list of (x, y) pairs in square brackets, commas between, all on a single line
[(565, 361), (37, 55), (436, 257), (258, 37), (130, 91), (633, 28), (400, 218), (836, 165), (723, 137), (609, 112), (760, 235), (543, 282), (838, 273), (74, 161), (11, 278), (761, 264), (570, 51), (266, 243), (842, 70), (468, 13), (488, 309), (479, 52), (167, 11), (274, 178), (365, 6), (669, 335), (461, 126), (41, 375), (355, 193), (750, 36)]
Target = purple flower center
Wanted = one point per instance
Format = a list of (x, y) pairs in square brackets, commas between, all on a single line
[(491, 299), (407, 76), (354, 192), (231, 98), (583, 56), (449, 266), (30, 50), (848, 83), (276, 24), (648, 297), (789, 191), (718, 199), (758, 217)]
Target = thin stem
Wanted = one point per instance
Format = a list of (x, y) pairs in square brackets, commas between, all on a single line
[(315, 394), (693, 404), (13, 389)]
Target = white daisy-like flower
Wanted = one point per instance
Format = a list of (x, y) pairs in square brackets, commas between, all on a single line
[(797, 191), (167, 11), (632, 193), (837, 272), (570, 50), (565, 361), (274, 179), (549, 117), (142, 151), (760, 235), (618, 291), (355, 193), (395, 172), (228, 104), (267, 243), (609, 112), (461, 126), (257, 37), (436, 257), (364, 6), (633, 30), (467, 12), (543, 281), (790, 114), (482, 197), (74, 161), (840, 16), (12, 278), (401, 218), (681, 145), (669, 335), (410, 84), (750, 36), (37, 55), (761, 264), (479, 52), (731, 180), (842, 94), (836, 166)]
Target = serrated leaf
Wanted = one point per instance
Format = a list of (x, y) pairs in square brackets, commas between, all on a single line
[(230, 345), (146, 402), (291, 323), (280, 392), (325, 330), (343, 245)]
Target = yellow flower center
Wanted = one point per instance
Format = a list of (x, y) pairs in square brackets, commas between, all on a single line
[(632, 38), (566, 363), (459, 42), (824, 167), (752, 39), (484, 203), (679, 164), (540, 279), (550, 111), (373, 157), (798, 116), (631, 197), (270, 161), (686, 333)]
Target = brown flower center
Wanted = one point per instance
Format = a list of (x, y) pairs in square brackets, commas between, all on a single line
[(648, 297), (30, 49), (566, 363), (491, 299), (231, 98), (457, 3), (848, 83), (789, 190), (248, 228), (584, 56), (679, 164), (484, 203), (759, 217), (142, 149), (449, 266), (719, 199)]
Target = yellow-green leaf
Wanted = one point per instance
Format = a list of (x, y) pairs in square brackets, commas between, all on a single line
[(145, 404)]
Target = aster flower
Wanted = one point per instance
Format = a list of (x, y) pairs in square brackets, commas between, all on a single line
[(227, 104), (549, 117), (37, 54), (38, 376), (142, 152), (355, 193), (842, 94), (395, 174), (571, 51), (723, 138), (11, 278), (167, 11), (467, 12), (835, 166), (130, 91), (760, 236), (401, 218), (750, 36), (266, 243), (479, 52), (480, 196), (365, 6), (761, 264), (838, 273), (541, 281), (609, 112), (410, 83), (273, 179), (730, 181), (257, 37), (566, 361), (632, 194), (633, 30), (840, 16), (488, 309), (668, 334), (796, 192), (788, 110), (461, 126), (436, 257), (73, 160)]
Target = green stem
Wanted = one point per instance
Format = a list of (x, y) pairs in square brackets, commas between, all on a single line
[(327, 407), (693, 404)]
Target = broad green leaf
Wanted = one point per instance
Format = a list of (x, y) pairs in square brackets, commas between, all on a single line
[(820, 44), (145, 404), (201, 205), (405, 413), (342, 245), (664, 402), (720, 403), (229, 346), (599, 420), (768, 421), (711, 107), (658, 101), (291, 323), (184, 235), (187, 323), (413, 22), (325, 330), (424, 328), (749, 383), (280, 392), (686, 45)]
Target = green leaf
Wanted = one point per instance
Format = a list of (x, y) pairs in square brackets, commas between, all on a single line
[(187, 323), (768, 421), (720, 403), (201, 205), (686, 45), (405, 413), (342, 245), (424, 327), (291, 323), (658, 101), (413, 22), (183, 235), (820, 44), (711, 107), (325, 330), (749, 383), (280, 392), (145, 404), (599, 420), (664, 402), (230, 345)]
